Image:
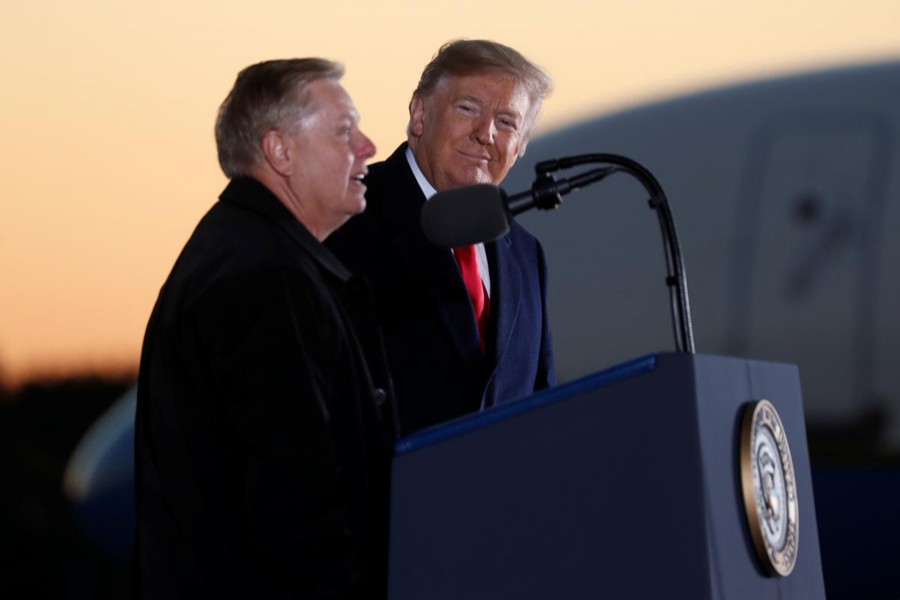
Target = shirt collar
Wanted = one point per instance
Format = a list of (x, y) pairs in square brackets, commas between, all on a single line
[(423, 182)]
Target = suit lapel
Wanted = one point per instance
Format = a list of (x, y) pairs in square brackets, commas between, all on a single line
[(506, 281)]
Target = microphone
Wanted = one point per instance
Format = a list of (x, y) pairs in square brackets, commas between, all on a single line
[(466, 215), (480, 213)]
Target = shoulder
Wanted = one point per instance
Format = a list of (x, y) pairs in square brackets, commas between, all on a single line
[(519, 236), (525, 249), (235, 238), (235, 252)]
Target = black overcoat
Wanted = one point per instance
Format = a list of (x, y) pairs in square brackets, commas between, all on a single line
[(265, 417)]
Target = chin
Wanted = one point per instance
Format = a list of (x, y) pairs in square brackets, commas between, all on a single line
[(472, 178), (357, 207)]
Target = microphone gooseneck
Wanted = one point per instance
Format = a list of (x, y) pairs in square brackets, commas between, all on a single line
[(676, 280)]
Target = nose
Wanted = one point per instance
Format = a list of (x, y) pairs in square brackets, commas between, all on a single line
[(365, 148), (484, 130)]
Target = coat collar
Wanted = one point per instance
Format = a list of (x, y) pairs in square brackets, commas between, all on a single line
[(252, 195)]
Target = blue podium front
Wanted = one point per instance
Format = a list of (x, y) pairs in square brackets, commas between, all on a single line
[(623, 484)]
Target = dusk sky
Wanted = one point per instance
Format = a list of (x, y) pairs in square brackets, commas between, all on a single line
[(107, 114)]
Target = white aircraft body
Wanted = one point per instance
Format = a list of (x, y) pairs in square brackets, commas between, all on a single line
[(786, 198)]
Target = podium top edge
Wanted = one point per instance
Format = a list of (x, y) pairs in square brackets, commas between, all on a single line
[(457, 427)]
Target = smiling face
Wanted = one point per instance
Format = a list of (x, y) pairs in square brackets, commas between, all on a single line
[(324, 160), (470, 129)]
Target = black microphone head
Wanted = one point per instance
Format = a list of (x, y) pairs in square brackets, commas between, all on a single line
[(465, 216)]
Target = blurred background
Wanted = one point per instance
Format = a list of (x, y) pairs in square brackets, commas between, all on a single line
[(772, 127)]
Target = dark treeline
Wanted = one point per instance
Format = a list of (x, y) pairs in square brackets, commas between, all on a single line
[(42, 555)]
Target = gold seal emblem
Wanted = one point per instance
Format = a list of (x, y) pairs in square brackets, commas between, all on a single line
[(770, 488)]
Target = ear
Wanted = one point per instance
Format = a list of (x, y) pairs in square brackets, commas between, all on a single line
[(416, 116), (275, 150), (522, 145)]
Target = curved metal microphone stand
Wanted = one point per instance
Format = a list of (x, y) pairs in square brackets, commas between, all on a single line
[(675, 278)]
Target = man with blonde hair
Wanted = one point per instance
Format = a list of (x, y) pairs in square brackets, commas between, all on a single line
[(464, 330)]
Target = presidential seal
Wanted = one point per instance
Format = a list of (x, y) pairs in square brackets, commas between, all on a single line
[(770, 488)]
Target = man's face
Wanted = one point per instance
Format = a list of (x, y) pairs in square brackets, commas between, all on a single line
[(328, 155), (470, 130)]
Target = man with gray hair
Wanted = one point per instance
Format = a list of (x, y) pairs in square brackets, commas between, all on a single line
[(463, 330), (265, 420)]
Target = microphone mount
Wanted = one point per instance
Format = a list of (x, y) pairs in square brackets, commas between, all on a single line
[(546, 192)]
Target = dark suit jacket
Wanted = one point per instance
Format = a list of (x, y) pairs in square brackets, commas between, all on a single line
[(265, 419), (431, 336)]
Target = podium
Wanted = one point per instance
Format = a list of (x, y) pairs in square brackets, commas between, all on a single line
[(623, 484)]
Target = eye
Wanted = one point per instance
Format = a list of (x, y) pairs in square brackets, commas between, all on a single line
[(508, 123)]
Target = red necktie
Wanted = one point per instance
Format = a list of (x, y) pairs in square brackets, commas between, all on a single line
[(468, 265)]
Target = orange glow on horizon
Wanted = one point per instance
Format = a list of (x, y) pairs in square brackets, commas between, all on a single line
[(108, 154)]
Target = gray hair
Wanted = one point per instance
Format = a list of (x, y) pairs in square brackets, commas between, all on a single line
[(473, 57), (268, 95)]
